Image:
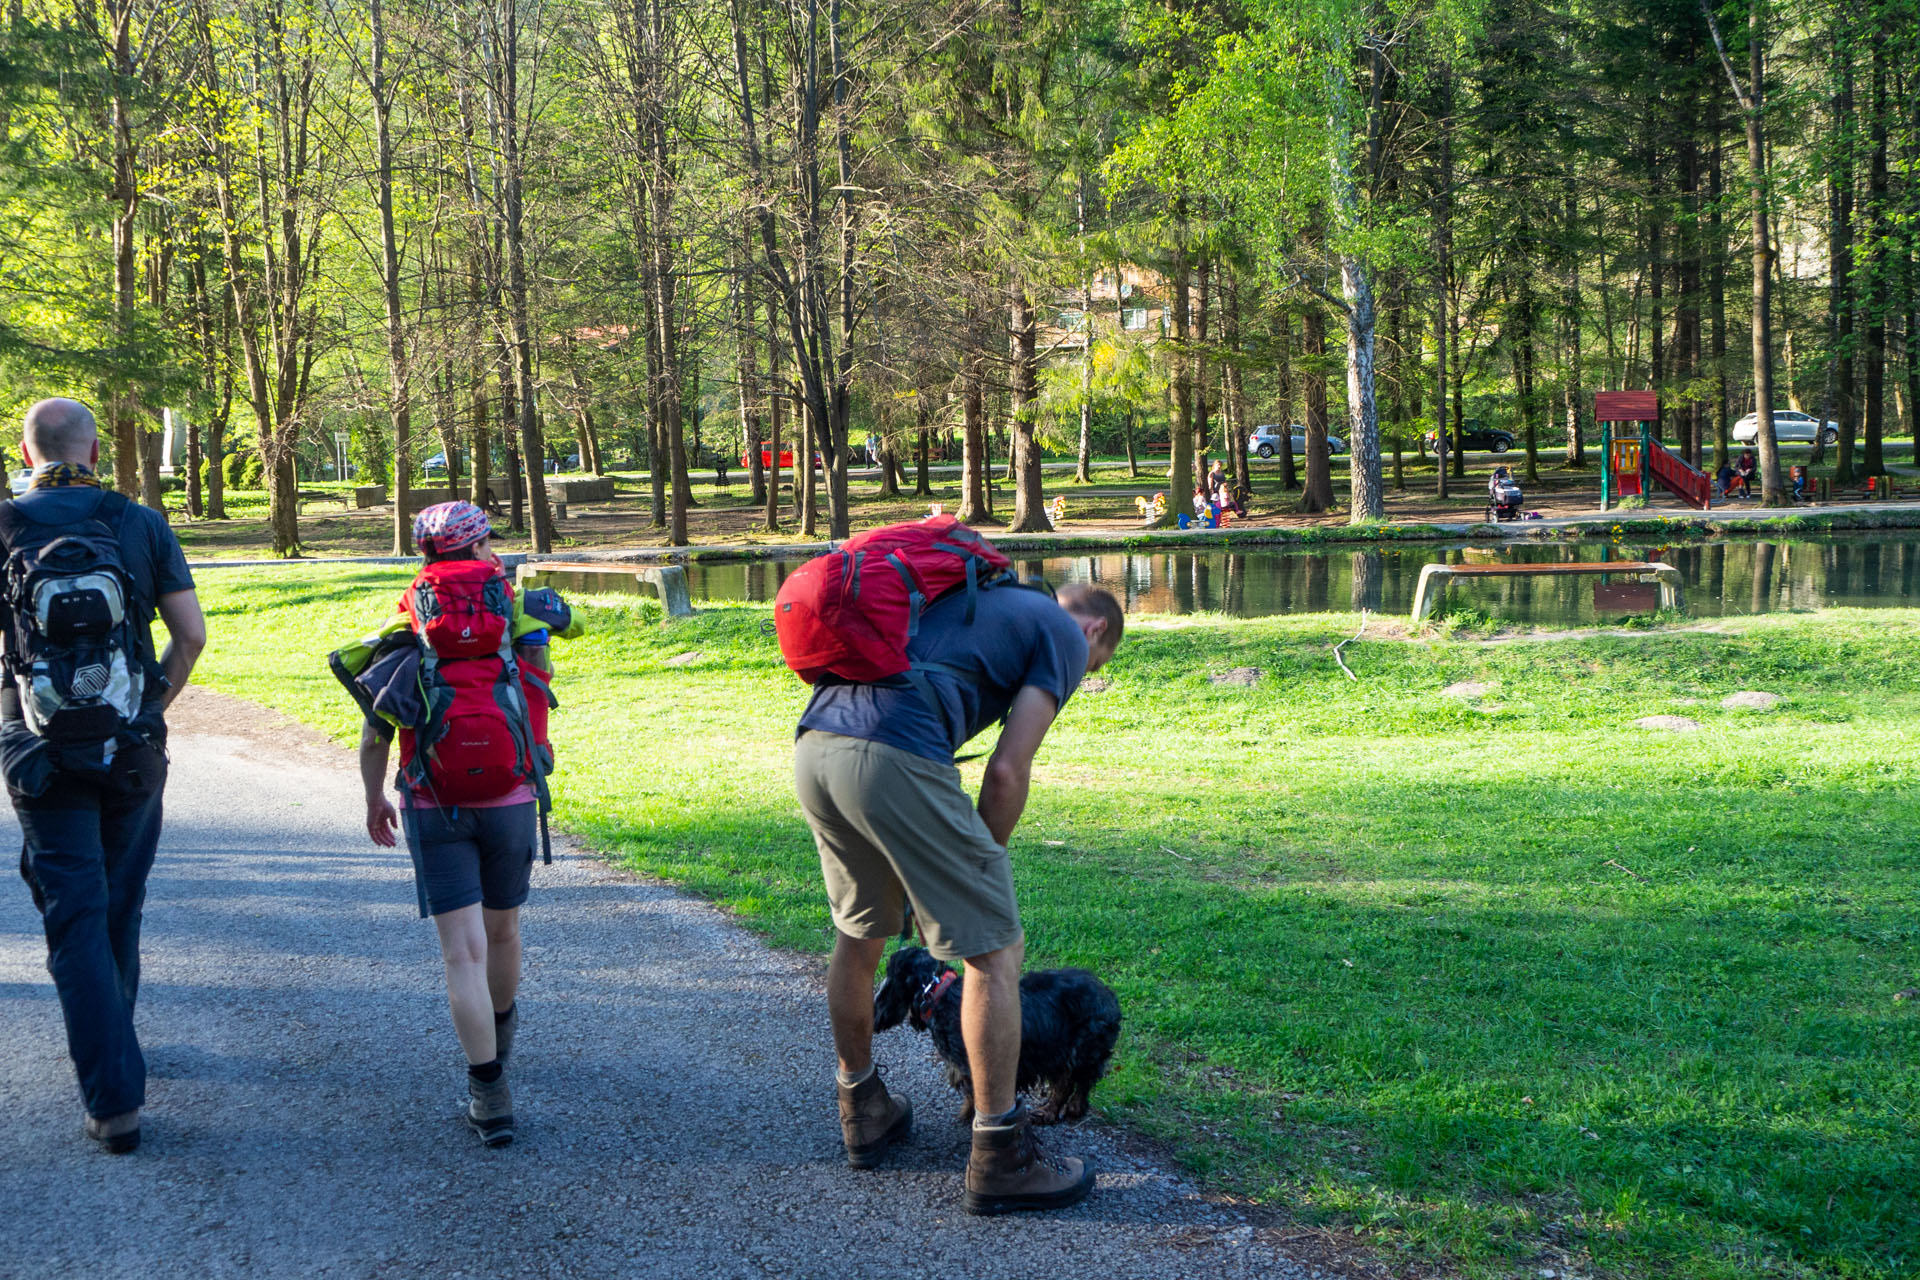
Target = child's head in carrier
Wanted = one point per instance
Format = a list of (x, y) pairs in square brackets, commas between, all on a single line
[(453, 531)]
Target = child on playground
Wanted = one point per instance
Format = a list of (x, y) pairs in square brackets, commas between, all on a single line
[(1224, 497), (461, 675)]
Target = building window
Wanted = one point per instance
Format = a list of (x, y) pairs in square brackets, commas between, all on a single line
[(1072, 319), (1134, 318)]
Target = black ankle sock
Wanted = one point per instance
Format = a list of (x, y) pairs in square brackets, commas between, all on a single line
[(499, 1018), (485, 1072)]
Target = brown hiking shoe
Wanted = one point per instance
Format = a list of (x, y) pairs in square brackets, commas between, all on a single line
[(490, 1111), (871, 1120), (1007, 1172), (118, 1134)]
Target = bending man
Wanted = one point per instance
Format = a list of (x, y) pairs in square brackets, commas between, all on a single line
[(874, 768)]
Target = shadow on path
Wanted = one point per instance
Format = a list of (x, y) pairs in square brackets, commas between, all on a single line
[(672, 1083)]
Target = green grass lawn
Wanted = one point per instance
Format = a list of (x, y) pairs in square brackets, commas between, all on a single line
[(1504, 981)]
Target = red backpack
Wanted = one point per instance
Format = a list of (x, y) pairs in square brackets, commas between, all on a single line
[(485, 727), (851, 612)]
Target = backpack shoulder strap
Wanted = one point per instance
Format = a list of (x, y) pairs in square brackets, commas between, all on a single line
[(112, 509)]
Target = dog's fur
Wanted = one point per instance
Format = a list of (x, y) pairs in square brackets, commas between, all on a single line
[(1069, 1021)]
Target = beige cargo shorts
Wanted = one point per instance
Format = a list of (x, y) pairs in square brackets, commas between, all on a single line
[(894, 827)]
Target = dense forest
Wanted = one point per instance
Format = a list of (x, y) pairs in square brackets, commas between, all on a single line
[(643, 233)]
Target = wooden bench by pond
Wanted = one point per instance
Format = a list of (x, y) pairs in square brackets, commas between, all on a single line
[(1435, 577), (665, 582)]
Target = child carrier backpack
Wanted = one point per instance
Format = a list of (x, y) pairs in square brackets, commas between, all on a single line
[(850, 613), (478, 737), (67, 610)]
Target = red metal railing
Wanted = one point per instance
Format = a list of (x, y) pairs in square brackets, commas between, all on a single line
[(1692, 487)]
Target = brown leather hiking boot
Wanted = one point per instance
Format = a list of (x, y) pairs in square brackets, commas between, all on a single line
[(1007, 1172), (871, 1120)]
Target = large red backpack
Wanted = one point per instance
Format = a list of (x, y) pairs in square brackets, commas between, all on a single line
[(485, 728), (851, 612)]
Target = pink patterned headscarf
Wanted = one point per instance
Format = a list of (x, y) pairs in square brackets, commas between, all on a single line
[(449, 526)]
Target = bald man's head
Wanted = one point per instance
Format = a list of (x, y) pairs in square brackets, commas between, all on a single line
[(60, 431)]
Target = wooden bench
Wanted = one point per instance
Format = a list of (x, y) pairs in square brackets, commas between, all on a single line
[(301, 497), (1873, 487), (1435, 577), (1163, 446)]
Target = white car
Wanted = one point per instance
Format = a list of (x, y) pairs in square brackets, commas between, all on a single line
[(1265, 442), (1789, 426), (19, 480)]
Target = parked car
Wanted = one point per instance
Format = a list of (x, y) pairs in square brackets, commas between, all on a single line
[(1265, 442), (1486, 439), (19, 480), (436, 464), (1789, 425)]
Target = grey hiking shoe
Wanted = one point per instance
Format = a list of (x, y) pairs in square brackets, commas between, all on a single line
[(503, 1029), (490, 1111), (1007, 1172), (871, 1120), (117, 1134)]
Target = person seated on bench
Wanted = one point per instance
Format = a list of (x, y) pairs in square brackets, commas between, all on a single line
[(1799, 476), (1724, 479), (1223, 495), (1743, 472)]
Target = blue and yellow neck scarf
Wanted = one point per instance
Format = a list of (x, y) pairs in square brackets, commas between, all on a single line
[(63, 475)]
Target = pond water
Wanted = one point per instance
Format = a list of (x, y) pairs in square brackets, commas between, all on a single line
[(1729, 577)]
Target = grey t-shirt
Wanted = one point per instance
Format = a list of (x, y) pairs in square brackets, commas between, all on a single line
[(1019, 637)]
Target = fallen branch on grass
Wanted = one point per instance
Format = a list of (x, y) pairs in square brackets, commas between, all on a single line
[(1344, 643)]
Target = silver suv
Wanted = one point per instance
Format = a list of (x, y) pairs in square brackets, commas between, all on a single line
[(1265, 442), (1789, 425)]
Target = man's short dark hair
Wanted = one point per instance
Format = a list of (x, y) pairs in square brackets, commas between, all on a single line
[(1096, 602)]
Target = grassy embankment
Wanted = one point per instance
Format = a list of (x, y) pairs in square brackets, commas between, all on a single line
[(1501, 980)]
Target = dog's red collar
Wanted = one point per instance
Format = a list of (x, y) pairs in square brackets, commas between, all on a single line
[(929, 997)]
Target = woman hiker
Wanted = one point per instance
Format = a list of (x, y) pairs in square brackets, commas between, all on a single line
[(471, 798)]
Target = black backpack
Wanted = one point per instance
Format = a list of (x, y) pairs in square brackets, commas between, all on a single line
[(67, 610)]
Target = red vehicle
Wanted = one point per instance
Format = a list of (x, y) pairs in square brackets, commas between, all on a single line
[(786, 460)]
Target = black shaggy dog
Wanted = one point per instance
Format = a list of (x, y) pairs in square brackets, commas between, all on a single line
[(1068, 1023)]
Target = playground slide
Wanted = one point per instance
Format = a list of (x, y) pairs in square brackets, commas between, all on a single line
[(1674, 474)]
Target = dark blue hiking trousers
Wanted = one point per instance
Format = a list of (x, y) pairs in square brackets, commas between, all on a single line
[(89, 844)]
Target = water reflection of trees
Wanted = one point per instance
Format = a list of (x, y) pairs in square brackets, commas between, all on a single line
[(1721, 577)]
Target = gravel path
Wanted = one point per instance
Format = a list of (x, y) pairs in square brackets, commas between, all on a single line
[(671, 1084)]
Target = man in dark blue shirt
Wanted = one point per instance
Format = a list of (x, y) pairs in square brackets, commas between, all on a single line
[(91, 819), (874, 769)]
